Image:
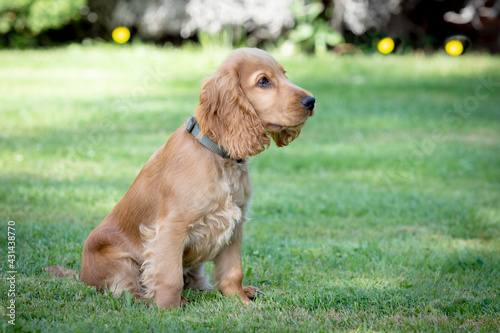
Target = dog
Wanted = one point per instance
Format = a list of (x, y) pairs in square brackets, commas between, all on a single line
[(188, 203)]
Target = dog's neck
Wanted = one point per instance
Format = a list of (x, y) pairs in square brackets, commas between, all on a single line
[(193, 128)]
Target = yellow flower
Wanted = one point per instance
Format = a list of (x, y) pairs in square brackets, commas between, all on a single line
[(386, 45), (454, 48), (121, 35)]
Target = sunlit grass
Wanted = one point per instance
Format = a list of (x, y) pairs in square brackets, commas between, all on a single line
[(383, 215)]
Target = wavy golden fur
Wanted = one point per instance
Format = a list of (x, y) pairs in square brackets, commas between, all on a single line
[(188, 204)]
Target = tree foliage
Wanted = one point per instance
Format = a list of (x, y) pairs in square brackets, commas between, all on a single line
[(35, 16)]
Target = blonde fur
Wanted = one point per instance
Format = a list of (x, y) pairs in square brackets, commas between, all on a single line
[(188, 205)]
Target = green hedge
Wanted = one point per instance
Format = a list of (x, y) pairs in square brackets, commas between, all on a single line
[(29, 18)]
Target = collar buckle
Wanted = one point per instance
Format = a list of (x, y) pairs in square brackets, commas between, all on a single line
[(190, 125)]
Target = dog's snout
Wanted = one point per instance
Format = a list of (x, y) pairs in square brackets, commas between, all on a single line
[(308, 102)]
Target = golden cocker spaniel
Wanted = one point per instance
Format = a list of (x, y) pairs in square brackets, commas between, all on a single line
[(188, 204)]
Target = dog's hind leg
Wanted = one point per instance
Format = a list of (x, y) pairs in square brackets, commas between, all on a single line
[(126, 278), (107, 267)]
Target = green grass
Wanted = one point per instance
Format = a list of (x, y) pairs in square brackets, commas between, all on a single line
[(384, 215)]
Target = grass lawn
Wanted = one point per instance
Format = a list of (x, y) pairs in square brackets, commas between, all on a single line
[(384, 215)]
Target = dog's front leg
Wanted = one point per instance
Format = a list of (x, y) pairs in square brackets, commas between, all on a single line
[(229, 273), (165, 279)]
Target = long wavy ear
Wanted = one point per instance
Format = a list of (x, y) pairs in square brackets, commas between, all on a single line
[(228, 118), (286, 136)]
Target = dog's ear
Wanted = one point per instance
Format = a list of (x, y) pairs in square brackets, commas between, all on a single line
[(284, 137), (226, 116)]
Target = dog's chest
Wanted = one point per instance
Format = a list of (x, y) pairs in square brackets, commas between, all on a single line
[(208, 236)]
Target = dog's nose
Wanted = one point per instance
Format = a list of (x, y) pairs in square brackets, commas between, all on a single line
[(308, 102)]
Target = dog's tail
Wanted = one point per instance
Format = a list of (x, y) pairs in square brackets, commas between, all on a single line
[(62, 272)]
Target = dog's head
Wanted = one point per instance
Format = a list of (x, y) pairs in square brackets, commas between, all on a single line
[(248, 98)]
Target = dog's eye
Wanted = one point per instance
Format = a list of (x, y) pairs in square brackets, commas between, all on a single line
[(264, 82)]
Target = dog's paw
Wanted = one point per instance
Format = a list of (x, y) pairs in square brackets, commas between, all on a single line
[(204, 287), (252, 292)]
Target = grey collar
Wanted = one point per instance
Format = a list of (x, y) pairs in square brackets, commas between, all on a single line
[(192, 127)]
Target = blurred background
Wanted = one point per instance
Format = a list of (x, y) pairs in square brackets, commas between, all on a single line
[(293, 25)]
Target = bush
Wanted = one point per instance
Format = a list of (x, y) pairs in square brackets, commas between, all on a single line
[(312, 32), (21, 20)]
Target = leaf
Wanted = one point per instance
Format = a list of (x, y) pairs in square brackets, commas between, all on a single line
[(332, 39), (128, 298), (313, 10), (302, 32)]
